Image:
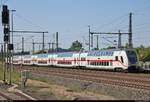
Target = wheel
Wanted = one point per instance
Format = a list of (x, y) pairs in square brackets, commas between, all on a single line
[(119, 69)]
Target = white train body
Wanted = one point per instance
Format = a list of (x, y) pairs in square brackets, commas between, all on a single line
[(42, 60), (17, 60), (100, 59), (53, 58), (65, 59), (105, 59), (27, 60)]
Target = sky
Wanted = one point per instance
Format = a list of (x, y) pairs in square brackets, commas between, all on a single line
[(70, 18)]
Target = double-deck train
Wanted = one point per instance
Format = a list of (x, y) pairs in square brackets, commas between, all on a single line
[(110, 59)]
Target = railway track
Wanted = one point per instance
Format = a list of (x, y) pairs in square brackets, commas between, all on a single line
[(8, 92), (13, 96), (5, 97), (111, 78)]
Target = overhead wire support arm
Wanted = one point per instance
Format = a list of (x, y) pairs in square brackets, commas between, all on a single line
[(117, 33), (33, 32), (29, 31), (107, 33)]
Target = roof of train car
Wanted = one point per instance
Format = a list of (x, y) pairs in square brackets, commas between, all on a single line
[(66, 54), (42, 55), (27, 56), (108, 52)]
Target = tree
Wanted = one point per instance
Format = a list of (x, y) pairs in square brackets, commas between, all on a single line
[(142, 46), (76, 46)]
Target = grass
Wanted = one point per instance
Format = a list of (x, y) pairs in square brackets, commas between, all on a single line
[(75, 87), (15, 76), (43, 79)]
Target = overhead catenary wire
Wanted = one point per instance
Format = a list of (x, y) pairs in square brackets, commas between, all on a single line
[(111, 22), (28, 21)]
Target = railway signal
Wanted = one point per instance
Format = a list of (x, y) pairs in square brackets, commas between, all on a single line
[(8, 47), (5, 15), (6, 30)]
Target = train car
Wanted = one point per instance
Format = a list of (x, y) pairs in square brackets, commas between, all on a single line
[(65, 59), (112, 59), (100, 59)]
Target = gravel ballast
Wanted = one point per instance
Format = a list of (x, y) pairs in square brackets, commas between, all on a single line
[(122, 93)]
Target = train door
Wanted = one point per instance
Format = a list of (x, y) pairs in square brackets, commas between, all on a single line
[(119, 62), (76, 59), (83, 59)]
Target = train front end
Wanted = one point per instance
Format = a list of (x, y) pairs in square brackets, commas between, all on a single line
[(132, 60)]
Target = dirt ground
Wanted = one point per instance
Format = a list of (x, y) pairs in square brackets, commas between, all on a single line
[(41, 90)]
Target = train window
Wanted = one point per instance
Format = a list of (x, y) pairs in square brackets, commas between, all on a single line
[(92, 63), (97, 63), (111, 53), (107, 63), (110, 63), (107, 53), (83, 58), (103, 53), (122, 59), (116, 58)]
